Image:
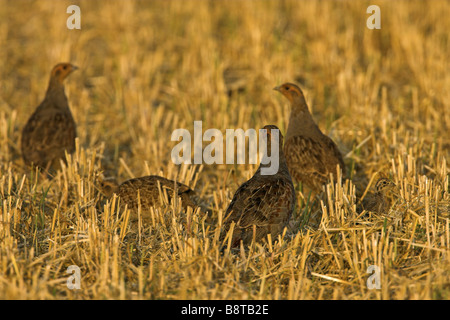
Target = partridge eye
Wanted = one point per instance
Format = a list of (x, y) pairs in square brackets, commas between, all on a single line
[(65, 67)]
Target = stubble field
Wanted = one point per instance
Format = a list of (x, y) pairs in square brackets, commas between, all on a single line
[(147, 68)]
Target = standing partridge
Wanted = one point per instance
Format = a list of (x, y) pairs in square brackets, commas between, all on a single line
[(264, 203), (51, 129), (147, 188), (379, 202), (310, 155)]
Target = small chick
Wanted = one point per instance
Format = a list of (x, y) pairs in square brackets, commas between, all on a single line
[(379, 202)]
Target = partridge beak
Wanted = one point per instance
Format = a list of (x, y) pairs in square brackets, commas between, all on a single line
[(74, 68), (277, 88)]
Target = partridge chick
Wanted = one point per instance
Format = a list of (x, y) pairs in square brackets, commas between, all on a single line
[(310, 155), (51, 129), (379, 202), (264, 201)]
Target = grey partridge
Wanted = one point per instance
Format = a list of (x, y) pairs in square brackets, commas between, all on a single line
[(265, 202), (147, 188), (379, 201), (310, 155), (51, 130)]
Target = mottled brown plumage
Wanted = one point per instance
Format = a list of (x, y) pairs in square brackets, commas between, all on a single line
[(147, 188), (310, 155), (264, 201), (51, 129), (379, 201)]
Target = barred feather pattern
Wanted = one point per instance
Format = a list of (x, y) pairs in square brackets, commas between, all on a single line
[(262, 205), (311, 161), (145, 192), (47, 135)]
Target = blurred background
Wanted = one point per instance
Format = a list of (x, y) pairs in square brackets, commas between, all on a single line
[(148, 67)]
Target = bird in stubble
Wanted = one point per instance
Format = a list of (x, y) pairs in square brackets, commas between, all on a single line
[(379, 202), (51, 130), (264, 204), (145, 191), (310, 155)]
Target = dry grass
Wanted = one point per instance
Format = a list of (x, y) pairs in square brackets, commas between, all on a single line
[(149, 67)]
